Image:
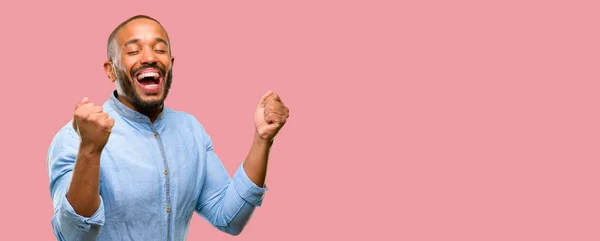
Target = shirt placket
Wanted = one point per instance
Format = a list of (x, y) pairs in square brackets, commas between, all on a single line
[(167, 201)]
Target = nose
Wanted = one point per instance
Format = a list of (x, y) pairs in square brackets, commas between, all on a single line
[(148, 57)]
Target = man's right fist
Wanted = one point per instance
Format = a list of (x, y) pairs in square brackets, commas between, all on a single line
[(92, 124)]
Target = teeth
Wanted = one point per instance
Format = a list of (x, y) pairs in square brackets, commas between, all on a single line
[(150, 74), (151, 86)]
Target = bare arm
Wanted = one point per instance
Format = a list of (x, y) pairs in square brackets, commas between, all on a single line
[(64, 153), (84, 190), (255, 164), (229, 203), (94, 127), (270, 116)]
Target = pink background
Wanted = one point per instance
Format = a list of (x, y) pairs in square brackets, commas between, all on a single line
[(436, 120)]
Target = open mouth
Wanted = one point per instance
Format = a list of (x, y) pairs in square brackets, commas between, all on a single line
[(149, 79)]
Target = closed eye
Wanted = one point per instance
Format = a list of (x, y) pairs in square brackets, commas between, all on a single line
[(132, 52)]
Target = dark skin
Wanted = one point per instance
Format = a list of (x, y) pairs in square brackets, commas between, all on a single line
[(144, 43)]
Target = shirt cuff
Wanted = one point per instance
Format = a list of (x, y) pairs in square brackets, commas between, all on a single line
[(247, 189), (81, 222)]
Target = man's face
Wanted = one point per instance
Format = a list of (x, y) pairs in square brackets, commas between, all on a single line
[(144, 67)]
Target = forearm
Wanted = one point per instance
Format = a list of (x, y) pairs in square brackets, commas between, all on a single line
[(84, 193), (255, 164)]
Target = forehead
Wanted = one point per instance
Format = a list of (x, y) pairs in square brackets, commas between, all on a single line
[(142, 29)]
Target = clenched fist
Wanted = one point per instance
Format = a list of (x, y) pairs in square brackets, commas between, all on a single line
[(92, 124), (270, 115)]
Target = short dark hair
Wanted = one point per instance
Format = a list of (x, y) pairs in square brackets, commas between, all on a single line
[(111, 46)]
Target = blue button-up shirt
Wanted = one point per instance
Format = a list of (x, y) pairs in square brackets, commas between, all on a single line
[(153, 178)]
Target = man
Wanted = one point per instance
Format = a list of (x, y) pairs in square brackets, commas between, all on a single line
[(133, 169)]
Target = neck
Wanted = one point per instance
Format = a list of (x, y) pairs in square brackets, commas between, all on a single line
[(151, 113)]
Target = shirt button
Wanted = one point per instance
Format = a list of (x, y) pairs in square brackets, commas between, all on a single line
[(168, 209), (155, 134), (166, 171)]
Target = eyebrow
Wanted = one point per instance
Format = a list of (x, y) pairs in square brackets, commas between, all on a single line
[(135, 40)]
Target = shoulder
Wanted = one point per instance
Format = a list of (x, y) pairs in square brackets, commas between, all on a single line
[(108, 108), (186, 119), (182, 117), (191, 125), (65, 135), (64, 144)]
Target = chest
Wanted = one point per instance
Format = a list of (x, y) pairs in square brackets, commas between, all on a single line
[(150, 171)]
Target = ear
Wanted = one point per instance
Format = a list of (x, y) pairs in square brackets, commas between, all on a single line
[(172, 61), (110, 71)]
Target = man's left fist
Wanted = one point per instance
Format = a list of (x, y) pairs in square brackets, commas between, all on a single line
[(270, 115)]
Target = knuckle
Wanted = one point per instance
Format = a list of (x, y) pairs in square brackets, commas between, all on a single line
[(89, 118)]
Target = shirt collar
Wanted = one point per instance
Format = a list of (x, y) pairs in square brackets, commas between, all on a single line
[(129, 113)]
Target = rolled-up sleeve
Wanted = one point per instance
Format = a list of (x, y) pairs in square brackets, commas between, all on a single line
[(247, 189), (66, 223), (227, 203)]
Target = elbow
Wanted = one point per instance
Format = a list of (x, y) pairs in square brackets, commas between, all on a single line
[(66, 226), (233, 231), (236, 225), (67, 220), (231, 217)]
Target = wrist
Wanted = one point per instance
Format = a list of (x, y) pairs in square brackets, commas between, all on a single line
[(90, 149), (262, 142)]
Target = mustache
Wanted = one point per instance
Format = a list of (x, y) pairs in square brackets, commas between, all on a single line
[(146, 66)]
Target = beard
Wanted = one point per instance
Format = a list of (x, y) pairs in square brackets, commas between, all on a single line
[(126, 84)]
